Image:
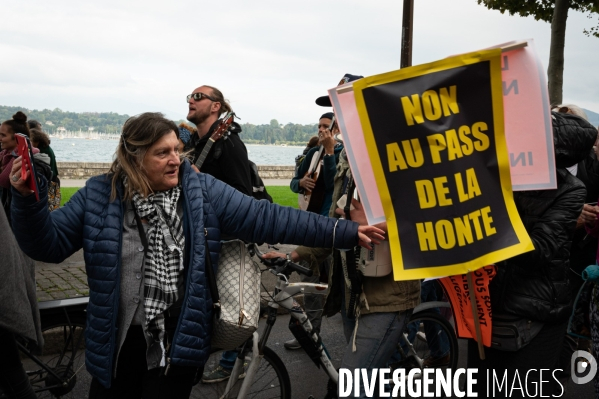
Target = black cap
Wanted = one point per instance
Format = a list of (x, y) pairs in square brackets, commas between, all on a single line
[(325, 101)]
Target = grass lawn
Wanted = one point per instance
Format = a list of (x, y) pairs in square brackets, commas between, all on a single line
[(66, 193), (281, 195)]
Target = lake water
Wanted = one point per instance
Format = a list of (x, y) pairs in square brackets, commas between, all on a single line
[(83, 150)]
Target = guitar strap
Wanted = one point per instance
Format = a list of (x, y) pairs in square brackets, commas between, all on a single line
[(315, 161), (355, 277)]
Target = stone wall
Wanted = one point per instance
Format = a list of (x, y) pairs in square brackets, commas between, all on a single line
[(85, 170)]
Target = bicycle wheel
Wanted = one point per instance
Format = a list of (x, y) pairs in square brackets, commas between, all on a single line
[(63, 353), (271, 380), (432, 342)]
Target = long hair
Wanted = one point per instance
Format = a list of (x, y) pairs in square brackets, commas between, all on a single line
[(39, 138), (218, 96), (18, 123), (140, 132)]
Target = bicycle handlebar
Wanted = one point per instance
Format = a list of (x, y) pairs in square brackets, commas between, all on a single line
[(284, 264), (300, 269)]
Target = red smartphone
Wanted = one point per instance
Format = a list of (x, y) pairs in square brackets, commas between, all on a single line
[(26, 152)]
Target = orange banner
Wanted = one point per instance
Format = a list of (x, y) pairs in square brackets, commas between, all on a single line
[(457, 290)]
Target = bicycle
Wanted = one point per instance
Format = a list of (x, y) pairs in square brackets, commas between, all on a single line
[(54, 372), (260, 373)]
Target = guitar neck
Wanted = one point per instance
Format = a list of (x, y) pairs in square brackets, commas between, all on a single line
[(204, 153)]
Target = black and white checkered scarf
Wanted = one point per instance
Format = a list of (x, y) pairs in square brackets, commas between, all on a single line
[(163, 264)]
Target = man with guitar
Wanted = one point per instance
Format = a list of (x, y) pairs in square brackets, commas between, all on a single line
[(227, 159), (218, 151), (314, 182), (314, 177)]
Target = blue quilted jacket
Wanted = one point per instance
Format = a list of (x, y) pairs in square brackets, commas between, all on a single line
[(90, 221)]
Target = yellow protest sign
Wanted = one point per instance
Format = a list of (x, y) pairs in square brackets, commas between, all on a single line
[(435, 138)]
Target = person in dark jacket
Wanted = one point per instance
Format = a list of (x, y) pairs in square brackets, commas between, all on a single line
[(533, 287), (316, 175), (584, 245), (146, 228)]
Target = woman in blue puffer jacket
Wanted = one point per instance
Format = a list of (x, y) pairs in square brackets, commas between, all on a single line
[(145, 228)]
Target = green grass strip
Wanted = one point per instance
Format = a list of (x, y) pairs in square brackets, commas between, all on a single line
[(281, 195)]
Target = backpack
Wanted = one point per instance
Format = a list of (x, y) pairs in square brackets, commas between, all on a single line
[(258, 189)]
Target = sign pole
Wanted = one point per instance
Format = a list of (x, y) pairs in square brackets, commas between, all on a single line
[(479, 336), (406, 33)]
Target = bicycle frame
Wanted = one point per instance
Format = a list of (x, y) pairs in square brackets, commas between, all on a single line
[(63, 306), (284, 293)]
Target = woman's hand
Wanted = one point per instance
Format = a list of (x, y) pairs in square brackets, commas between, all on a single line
[(15, 178), (369, 235), (366, 234)]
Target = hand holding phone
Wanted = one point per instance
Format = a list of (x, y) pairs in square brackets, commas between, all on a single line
[(332, 125), (26, 154)]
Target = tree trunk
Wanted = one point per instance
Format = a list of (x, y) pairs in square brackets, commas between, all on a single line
[(555, 71)]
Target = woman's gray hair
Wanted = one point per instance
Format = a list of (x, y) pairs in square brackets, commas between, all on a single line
[(140, 132), (572, 109)]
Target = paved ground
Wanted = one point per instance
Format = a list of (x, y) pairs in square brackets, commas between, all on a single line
[(69, 280)]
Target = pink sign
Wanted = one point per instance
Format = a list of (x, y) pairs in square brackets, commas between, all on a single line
[(344, 104), (527, 115)]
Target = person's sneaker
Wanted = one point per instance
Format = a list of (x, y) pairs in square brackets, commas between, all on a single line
[(218, 374), (436, 361), (292, 344)]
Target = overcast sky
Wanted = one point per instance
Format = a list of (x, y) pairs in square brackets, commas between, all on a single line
[(271, 59)]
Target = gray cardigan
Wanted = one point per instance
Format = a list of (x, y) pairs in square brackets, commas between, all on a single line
[(18, 302)]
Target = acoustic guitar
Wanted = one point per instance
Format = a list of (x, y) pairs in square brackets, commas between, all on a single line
[(313, 199)]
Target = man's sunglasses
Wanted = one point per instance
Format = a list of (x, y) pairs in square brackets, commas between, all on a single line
[(199, 96)]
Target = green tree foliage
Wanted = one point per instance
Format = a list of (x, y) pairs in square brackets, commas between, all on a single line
[(112, 123), (105, 122), (274, 133), (555, 12), (543, 9)]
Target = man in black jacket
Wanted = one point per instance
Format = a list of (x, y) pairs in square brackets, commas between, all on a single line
[(228, 158), (532, 289), (227, 161), (584, 246)]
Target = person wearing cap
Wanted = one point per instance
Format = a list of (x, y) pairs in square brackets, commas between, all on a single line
[(373, 328), (316, 173)]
